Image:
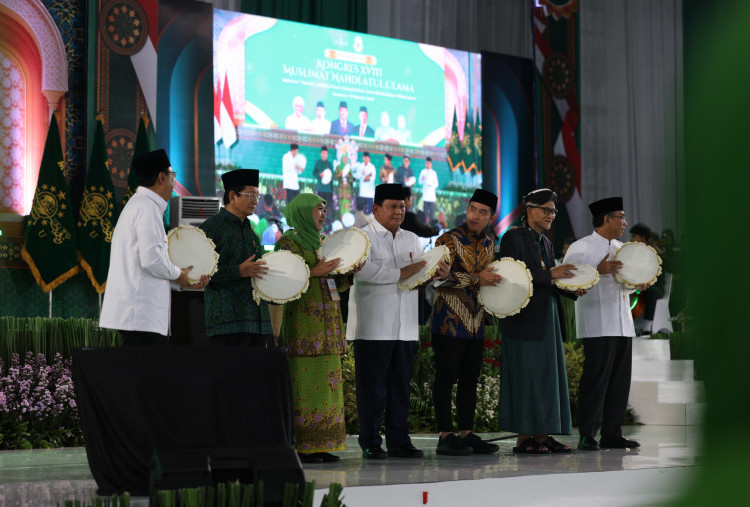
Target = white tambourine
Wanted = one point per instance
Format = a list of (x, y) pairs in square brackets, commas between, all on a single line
[(584, 277), (512, 294), (351, 245), (640, 264), (432, 258), (287, 278), (327, 176), (189, 246)]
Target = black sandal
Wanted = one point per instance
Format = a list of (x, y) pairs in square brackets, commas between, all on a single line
[(555, 447), (530, 446)]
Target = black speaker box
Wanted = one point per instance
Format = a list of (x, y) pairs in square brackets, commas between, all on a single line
[(275, 465)]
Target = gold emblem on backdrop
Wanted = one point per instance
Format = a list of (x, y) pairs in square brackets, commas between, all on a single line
[(48, 210), (96, 212)]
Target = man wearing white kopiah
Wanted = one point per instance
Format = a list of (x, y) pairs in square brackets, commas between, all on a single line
[(292, 165), (386, 329), (137, 300), (604, 322)]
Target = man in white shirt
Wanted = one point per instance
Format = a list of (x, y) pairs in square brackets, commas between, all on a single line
[(292, 165), (319, 124), (297, 120), (366, 176), (604, 322), (428, 178), (387, 333), (137, 299)]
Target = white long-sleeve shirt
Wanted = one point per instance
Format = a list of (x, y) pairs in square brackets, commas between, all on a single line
[(605, 309), (366, 188), (137, 297), (291, 167), (428, 178), (383, 311)]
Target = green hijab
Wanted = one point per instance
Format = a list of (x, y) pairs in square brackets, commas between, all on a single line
[(299, 215)]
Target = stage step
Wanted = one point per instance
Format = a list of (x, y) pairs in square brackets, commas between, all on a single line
[(662, 370), (647, 348), (679, 391), (664, 391)]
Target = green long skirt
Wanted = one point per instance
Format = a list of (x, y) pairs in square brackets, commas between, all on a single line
[(534, 382), (318, 391)]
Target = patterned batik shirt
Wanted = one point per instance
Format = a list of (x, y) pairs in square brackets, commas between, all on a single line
[(229, 297), (456, 311)]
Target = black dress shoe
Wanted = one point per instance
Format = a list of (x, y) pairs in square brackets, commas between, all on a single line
[(618, 443), (374, 453), (405, 451), (327, 457), (588, 444), (451, 445), (478, 445), (309, 457)]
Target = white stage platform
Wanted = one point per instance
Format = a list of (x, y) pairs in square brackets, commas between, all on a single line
[(651, 475)]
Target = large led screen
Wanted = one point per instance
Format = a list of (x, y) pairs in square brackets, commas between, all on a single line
[(278, 83)]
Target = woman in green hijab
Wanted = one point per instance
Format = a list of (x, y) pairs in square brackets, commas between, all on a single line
[(312, 331)]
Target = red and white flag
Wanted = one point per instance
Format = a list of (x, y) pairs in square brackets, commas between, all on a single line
[(226, 116)]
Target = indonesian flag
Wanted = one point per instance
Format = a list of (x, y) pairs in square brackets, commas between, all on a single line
[(217, 114), (226, 116)]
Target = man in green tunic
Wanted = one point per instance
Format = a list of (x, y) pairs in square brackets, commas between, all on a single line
[(232, 317)]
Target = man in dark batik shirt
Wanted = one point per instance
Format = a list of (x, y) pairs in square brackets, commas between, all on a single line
[(232, 317), (458, 327)]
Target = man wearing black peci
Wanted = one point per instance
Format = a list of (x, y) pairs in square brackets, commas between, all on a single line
[(534, 399), (605, 324), (232, 316), (458, 327)]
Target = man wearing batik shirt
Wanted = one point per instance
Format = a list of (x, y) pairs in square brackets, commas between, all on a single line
[(458, 326), (232, 316)]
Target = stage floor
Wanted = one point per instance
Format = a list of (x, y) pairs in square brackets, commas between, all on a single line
[(667, 456)]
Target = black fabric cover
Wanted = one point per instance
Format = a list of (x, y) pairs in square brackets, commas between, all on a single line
[(135, 400)]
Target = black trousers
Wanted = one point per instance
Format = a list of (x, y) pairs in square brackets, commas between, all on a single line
[(243, 340), (651, 296), (605, 385), (135, 338), (456, 360), (429, 212), (291, 194), (383, 375)]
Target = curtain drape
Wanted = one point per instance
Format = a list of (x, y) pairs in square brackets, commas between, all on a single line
[(631, 109), (346, 14), (470, 25)]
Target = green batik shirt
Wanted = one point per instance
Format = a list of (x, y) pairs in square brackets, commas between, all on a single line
[(229, 298)]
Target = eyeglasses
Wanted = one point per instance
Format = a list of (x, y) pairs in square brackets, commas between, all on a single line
[(621, 217), (547, 211), (253, 197)]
